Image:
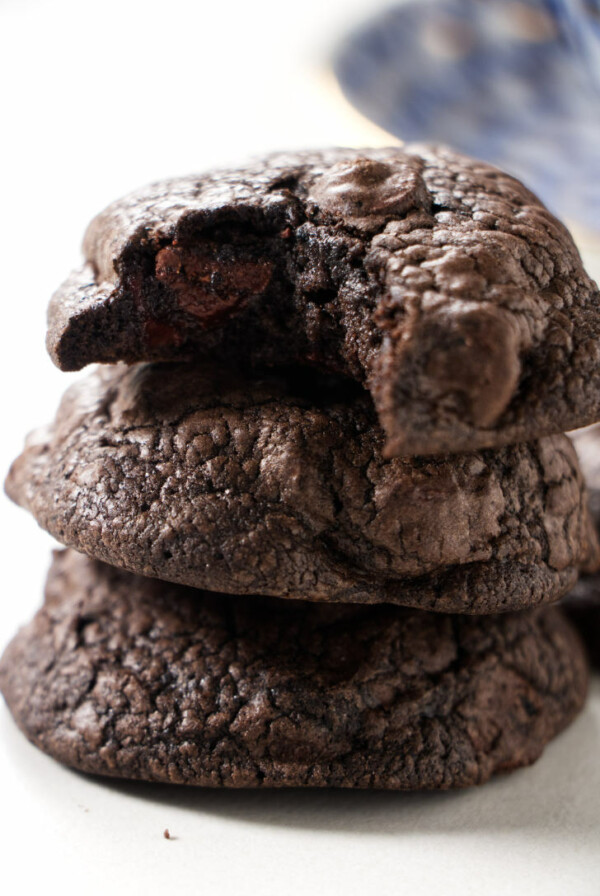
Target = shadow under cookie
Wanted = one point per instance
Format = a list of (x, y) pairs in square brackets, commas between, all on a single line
[(276, 485)]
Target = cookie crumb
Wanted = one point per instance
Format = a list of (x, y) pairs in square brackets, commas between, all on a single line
[(167, 834)]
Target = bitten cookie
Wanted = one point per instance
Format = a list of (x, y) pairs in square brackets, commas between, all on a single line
[(437, 281), (277, 486), (130, 677)]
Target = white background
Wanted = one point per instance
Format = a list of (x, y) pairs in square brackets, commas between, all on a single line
[(96, 99)]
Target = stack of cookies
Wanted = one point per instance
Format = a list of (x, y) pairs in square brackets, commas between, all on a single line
[(318, 500)]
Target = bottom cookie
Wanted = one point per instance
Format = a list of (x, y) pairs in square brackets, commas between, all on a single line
[(136, 678)]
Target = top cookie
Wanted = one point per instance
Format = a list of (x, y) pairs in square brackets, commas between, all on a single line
[(440, 283)]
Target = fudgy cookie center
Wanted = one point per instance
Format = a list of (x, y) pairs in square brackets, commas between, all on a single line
[(210, 281)]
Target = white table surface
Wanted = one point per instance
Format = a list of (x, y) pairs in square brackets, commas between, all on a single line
[(96, 99)]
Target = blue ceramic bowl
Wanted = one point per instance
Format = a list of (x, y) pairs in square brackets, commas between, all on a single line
[(516, 83)]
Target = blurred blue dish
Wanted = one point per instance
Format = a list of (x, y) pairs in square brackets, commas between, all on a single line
[(515, 83), (583, 27)]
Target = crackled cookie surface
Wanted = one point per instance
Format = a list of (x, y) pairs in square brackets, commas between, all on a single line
[(277, 486), (130, 677), (440, 283)]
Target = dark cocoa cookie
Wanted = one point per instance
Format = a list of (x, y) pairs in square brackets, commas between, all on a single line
[(130, 677), (439, 282), (277, 486)]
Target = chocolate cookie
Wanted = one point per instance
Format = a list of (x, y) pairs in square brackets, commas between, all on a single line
[(129, 677), (439, 282), (277, 486)]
